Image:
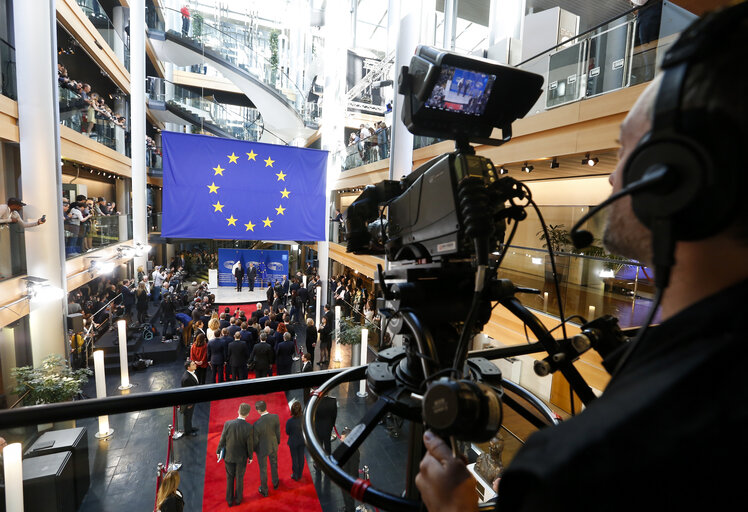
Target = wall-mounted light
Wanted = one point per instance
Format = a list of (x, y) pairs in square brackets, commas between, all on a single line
[(589, 161), (39, 290), (554, 163), (142, 249), (503, 170), (100, 266), (527, 168)]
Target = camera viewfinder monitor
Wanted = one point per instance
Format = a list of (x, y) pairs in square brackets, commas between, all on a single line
[(461, 90)]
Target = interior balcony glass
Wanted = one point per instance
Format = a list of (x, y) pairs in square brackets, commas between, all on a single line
[(99, 124), (95, 232), (98, 17), (8, 70)]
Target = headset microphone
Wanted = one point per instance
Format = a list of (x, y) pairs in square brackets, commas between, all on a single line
[(655, 176)]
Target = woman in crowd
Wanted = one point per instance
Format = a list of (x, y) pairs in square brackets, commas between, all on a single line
[(311, 338), (213, 327), (141, 302), (295, 441), (199, 354), (169, 498), (325, 340), (141, 274)]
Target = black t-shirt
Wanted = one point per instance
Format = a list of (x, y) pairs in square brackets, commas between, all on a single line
[(667, 434)]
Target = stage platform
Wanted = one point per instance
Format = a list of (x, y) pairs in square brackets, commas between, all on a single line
[(155, 348), (229, 295)]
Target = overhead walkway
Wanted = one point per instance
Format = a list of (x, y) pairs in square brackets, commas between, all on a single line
[(283, 109)]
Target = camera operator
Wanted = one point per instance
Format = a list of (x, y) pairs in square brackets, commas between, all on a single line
[(10, 214), (635, 448)]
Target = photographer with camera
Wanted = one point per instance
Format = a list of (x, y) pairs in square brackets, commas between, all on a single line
[(679, 176), (10, 213)]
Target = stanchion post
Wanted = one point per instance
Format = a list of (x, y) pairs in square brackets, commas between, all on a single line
[(13, 477), (364, 349), (123, 369), (104, 430)]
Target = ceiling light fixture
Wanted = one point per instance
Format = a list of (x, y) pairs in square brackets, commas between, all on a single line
[(554, 163), (589, 161), (503, 170), (527, 168)]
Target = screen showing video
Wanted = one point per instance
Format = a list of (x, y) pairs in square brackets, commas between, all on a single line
[(461, 90)]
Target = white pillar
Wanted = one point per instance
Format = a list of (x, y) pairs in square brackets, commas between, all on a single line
[(38, 127), (122, 192), (406, 30), (428, 22), (364, 357), (337, 334), (100, 376), (137, 126), (505, 19), (123, 368), (450, 24), (333, 112)]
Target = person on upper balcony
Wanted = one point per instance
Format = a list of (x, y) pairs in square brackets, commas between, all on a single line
[(10, 213), (185, 10)]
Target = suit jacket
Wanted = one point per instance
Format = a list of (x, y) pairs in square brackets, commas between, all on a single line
[(307, 367), (239, 272), (217, 351), (238, 440), (284, 353), (238, 353), (267, 434), (189, 380), (270, 294), (252, 274), (327, 414), (233, 329), (293, 430), (262, 355)]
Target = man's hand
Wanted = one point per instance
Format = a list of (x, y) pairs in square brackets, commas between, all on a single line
[(42, 220), (444, 481)]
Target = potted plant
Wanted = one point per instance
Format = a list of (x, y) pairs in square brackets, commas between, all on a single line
[(53, 381), (559, 241), (197, 26), (350, 334)]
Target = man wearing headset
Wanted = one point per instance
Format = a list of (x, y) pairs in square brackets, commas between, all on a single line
[(670, 427)]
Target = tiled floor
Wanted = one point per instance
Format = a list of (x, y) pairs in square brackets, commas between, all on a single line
[(123, 468)]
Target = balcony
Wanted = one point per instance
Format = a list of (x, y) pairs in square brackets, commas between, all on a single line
[(97, 123)]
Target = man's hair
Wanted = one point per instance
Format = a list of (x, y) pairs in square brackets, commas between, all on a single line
[(715, 90), (237, 335), (260, 406), (307, 356), (286, 336), (263, 336), (244, 409), (187, 364), (244, 326)]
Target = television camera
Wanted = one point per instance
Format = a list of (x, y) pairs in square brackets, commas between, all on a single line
[(442, 228)]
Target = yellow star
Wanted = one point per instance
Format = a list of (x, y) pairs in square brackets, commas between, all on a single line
[(233, 158), (250, 226), (232, 221), (269, 162), (281, 176), (218, 207), (267, 222), (280, 210), (219, 170), (213, 188), (251, 156), (285, 192)]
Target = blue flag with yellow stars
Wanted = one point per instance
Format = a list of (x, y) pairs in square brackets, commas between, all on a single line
[(237, 190)]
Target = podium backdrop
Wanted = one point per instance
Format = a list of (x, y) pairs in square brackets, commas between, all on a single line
[(271, 265)]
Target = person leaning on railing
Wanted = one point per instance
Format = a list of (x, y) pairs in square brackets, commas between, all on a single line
[(10, 213)]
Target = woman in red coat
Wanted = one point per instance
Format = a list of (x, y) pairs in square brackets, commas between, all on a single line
[(199, 354)]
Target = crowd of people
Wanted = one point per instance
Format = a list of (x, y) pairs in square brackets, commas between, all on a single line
[(369, 144), (82, 220), (89, 108)]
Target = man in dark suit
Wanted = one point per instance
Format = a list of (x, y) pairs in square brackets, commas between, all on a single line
[(128, 299), (285, 286), (223, 320), (267, 439), (251, 276), (238, 356), (189, 378), (234, 327), (307, 366), (262, 355), (217, 357), (238, 271), (237, 444), (284, 352), (327, 414), (256, 314)]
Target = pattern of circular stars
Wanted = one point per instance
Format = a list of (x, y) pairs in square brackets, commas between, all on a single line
[(231, 220)]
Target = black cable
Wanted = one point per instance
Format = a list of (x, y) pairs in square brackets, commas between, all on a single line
[(507, 244), (583, 319)]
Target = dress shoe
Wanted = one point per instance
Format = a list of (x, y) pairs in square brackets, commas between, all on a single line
[(237, 503), (194, 430), (275, 485), (264, 494), (231, 503), (193, 434)]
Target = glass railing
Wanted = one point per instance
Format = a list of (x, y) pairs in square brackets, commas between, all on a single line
[(154, 161), (12, 250), (239, 122), (8, 70), (79, 115), (235, 44), (376, 147), (98, 17), (622, 52), (95, 232), (154, 222), (147, 416)]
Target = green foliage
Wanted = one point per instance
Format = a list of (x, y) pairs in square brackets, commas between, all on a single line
[(274, 49), (53, 381), (558, 236), (350, 332), (197, 25)]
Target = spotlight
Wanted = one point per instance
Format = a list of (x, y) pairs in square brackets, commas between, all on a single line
[(527, 168), (503, 170), (554, 163), (589, 161)]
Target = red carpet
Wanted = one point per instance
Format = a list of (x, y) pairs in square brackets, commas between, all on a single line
[(247, 308), (290, 495)]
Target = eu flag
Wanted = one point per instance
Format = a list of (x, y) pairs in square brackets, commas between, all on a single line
[(236, 190)]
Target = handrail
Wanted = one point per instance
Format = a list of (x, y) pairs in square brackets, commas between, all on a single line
[(93, 407), (588, 31)]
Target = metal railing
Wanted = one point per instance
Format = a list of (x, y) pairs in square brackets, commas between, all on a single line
[(77, 114), (8, 70), (98, 17)]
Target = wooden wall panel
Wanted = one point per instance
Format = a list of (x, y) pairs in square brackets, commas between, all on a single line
[(80, 148), (9, 119)]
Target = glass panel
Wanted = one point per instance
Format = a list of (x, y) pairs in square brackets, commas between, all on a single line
[(99, 123), (86, 231), (12, 237), (98, 17), (8, 70)]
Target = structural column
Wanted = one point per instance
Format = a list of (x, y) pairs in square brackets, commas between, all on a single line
[(450, 24), (137, 126), (41, 178), (337, 24)]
